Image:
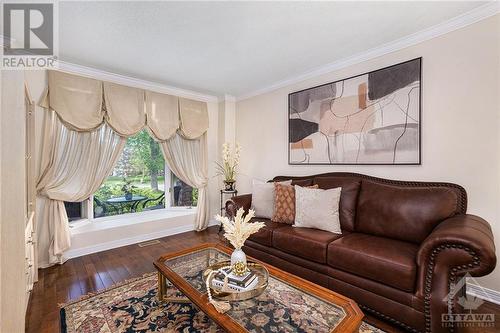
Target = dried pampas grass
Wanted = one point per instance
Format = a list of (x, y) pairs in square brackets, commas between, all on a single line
[(237, 231)]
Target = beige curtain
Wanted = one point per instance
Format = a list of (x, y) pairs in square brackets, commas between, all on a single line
[(74, 166), (194, 118), (83, 104), (188, 160), (124, 108), (162, 113), (76, 99)]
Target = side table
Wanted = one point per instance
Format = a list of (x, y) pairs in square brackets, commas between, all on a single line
[(223, 194)]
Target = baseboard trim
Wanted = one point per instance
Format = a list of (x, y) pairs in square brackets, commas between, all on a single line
[(131, 240), (486, 294)]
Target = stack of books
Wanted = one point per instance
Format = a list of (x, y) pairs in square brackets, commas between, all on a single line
[(246, 282)]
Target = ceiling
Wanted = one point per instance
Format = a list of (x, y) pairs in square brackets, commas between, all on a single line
[(234, 47)]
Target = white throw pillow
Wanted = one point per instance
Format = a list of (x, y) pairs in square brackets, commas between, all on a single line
[(317, 208), (263, 198)]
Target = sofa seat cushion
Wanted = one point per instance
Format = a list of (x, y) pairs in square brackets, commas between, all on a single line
[(385, 260), (318, 273), (265, 235), (306, 243)]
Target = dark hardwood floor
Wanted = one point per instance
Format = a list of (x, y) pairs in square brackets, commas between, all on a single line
[(91, 273)]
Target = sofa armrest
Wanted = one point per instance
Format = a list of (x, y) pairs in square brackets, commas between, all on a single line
[(459, 245), (233, 204), (465, 234)]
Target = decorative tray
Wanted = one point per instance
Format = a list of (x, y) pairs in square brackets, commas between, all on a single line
[(257, 269)]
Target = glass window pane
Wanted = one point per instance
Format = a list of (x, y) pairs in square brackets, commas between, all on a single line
[(183, 195), (137, 182), (74, 210)]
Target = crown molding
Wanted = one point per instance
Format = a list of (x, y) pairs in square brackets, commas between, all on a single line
[(463, 20), (98, 74), (131, 82), (227, 98)]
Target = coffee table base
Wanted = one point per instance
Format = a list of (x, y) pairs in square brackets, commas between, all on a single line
[(162, 292)]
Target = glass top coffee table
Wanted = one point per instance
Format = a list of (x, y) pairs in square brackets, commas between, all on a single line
[(289, 303)]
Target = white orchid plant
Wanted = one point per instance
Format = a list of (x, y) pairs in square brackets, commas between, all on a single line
[(230, 160), (237, 231)]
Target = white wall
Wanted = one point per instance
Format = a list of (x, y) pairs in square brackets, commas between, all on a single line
[(13, 202), (226, 132), (227, 119), (460, 122), (213, 155), (36, 81)]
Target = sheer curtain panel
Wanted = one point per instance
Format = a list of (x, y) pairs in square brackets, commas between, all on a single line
[(74, 165), (188, 160)]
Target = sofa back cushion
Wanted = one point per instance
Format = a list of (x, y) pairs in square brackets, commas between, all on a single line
[(348, 197), (263, 198), (407, 213), (317, 208), (284, 203)]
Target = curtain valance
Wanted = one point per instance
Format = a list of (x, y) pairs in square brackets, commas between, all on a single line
[(83, 104), (76, 100), (162, 113), (194, 118)]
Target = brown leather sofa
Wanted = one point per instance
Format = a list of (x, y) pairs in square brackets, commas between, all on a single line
[(402, 244)]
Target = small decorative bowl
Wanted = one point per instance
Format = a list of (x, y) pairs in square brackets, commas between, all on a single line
[(258, 269)]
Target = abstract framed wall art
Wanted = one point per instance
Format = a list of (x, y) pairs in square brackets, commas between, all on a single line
[(372, 118)]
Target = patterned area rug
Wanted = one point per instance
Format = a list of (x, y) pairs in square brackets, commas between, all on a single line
[(132, 307)]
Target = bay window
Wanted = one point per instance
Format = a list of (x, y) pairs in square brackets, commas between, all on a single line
[(140, 182)]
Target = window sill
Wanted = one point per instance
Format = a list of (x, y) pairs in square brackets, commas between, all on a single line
[(91, 236), (117, 221)]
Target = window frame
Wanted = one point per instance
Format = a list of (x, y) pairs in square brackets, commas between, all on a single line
[(83, 211), (88, 206)]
